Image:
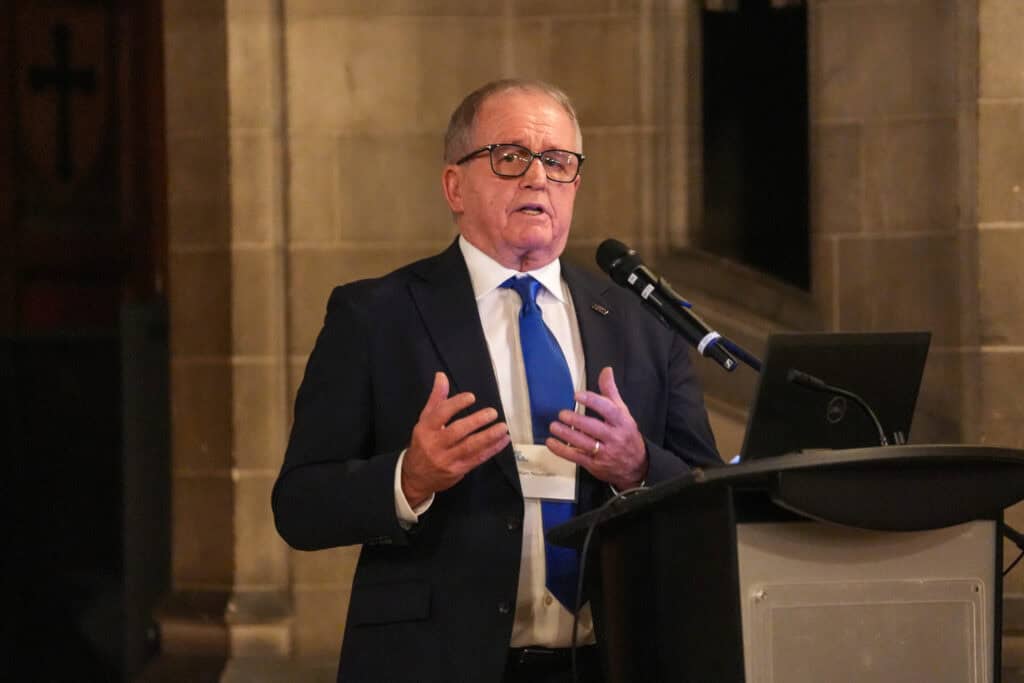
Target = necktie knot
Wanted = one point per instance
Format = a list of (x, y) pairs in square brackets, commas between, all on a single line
[(527, 288)]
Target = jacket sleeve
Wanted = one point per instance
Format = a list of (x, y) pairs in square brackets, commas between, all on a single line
[(688, 440), (334, 488)]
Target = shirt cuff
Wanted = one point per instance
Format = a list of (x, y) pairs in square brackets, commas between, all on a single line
[(407, 514)]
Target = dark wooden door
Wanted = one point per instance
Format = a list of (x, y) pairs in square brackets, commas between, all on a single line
[(81, 235)]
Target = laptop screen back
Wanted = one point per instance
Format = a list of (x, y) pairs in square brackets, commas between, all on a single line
[(883, 368)]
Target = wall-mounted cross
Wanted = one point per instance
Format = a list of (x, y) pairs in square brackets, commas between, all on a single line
[(65, 79)]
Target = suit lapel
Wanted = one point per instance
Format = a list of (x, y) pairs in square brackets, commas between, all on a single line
[(600, 324), (444, 297), (601, 332)]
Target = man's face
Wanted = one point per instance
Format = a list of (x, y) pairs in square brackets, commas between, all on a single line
[(522, 223)]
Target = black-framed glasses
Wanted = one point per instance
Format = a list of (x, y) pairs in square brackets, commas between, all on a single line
[(512, 161)]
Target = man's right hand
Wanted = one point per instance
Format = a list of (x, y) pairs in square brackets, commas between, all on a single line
[(441, 453)]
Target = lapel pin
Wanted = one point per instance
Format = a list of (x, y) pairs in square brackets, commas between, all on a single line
[(600, 309)]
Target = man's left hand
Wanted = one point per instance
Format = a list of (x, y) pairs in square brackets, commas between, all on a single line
[(609, 447)]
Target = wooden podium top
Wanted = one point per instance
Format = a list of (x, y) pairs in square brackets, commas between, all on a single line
[(893, 488)]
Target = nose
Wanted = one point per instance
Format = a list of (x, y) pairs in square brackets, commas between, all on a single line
[(535, 175)]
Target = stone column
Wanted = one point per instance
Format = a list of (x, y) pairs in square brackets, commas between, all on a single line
[(229, 602)]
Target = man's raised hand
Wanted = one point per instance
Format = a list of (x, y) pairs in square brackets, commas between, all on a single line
[(442, 451)]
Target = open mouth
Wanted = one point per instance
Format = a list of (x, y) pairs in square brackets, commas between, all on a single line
[(531, 209)]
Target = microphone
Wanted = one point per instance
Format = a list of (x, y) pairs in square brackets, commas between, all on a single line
[(808, 381), (627, 269)]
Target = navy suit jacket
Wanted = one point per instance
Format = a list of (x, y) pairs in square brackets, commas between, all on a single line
[(436, 602)]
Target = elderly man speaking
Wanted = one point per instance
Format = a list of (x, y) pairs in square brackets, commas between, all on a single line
[(454, 409)]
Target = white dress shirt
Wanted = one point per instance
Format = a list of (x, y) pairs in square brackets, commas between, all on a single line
[(539, 618)]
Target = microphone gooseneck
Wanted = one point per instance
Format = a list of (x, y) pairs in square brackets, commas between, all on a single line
[(627, 269), (808, 381)]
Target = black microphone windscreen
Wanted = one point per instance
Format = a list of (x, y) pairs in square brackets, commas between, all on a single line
[(609, 252)]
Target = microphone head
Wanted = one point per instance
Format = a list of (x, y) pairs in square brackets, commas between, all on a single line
[(618, 260), (608, 252)]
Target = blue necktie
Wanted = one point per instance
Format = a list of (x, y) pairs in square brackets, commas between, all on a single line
[(551, 390)]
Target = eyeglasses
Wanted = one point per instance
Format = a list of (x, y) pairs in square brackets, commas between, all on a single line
[(512, 161)]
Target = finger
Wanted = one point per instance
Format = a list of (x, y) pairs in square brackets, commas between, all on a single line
[(465, 426), (606, 382), (481, 445), (442, 413), (602, 405), (584, 439), (438, 393), (569, 453), (496, 447)]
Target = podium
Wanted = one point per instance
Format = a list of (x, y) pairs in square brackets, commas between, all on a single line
[(874, 564)]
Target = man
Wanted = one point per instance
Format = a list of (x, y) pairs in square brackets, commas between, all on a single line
[(422, 381)]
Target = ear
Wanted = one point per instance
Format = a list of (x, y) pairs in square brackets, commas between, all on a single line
[(451, 185)]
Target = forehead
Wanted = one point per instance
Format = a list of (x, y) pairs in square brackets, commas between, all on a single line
[(526, 117)]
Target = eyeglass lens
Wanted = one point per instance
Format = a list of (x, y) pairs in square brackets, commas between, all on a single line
[(513, 160)]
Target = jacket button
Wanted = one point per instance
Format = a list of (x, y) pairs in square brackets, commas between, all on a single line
[(512, 523), (504, 607)]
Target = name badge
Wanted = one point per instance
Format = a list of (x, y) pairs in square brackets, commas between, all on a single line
[(544, 475)]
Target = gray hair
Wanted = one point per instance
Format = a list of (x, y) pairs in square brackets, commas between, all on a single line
[(459, 135)]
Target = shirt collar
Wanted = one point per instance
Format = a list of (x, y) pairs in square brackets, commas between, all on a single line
[(486, 274)]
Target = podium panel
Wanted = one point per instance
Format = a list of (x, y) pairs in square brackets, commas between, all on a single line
[(820, 602)]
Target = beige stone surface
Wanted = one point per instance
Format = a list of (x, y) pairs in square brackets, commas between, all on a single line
[(198, 221), (319, 620), (197, 181), (256, 169), (314, 274), (261, 557), (178, 11), (203, 532), (254, 64), (201, 412), (609, 200), (837, 179), (596, 61), (195, 67), (255, 299), (878, 58), (1001, 161), (333, 568), (910, 176), (900, 284), (1001, 287), (376, 70), (259, 414), (575, 7), (1002, 411), (1001, 49), (200, 297), (389, 189), (296, 9), (939, 404), (314, 190), (824, 267)]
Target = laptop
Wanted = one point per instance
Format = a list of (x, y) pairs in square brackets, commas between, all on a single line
[(883, 368)]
